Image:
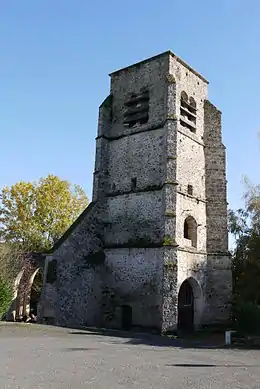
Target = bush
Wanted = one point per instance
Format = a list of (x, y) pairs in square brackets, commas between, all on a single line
[(247, 318), (6, 296)]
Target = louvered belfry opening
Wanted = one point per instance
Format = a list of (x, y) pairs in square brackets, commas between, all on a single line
[(137, 109), (188, 112)]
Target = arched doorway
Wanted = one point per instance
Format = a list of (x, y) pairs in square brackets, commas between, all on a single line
[(186, 308)]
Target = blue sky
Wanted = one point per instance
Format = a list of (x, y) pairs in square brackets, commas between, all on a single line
[(55, 57)]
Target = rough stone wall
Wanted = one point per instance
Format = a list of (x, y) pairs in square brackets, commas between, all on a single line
[(192, 265), (190, 169), (195, 86), (74, 298), (215, 166), (218, 289), (219, 276), (200, 162), (133, 276), (169, 289), (137, 155), (100, 177), (135, 213), (188, 150), (150, 74)]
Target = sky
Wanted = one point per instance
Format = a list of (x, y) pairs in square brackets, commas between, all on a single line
[(55, 57)]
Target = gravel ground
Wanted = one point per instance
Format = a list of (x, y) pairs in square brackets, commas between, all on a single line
[(41, 357)]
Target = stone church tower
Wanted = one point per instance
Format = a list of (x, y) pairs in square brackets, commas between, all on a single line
[(151, 250)]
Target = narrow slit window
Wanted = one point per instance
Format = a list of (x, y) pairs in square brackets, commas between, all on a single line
[(133, 183), (190, 190), (51, 272)]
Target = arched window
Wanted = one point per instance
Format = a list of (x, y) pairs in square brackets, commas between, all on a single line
[(190, 230)]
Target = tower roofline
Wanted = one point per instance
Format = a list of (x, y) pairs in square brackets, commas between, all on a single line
[(168, 52)]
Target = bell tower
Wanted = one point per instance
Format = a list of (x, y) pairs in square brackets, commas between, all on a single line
[(151, 249), (160, 169)]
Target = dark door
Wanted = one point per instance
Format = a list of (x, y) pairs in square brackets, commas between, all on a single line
[(126, 317), (186, 308)]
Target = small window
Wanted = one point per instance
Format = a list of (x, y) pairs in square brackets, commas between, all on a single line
[(133, 183), (51, 272), (190, 190), (190, 230), (126, 317)]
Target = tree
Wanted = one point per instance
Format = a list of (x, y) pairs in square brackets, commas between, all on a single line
[(245, 226), (6, 295), (35, 215), (13, 261)]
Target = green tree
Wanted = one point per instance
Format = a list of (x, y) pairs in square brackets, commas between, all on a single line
[(35, 215), (245, 226), (6, 295), (12, 261)]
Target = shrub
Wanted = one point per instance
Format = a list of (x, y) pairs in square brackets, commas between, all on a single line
[(247, 318), (6, 296)]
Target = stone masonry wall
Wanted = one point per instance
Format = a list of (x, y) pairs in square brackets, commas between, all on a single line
[(192, 265), (190, 171), (215, 166), (100, 175), (74, 297), (218, 289), (135, 213), (169, 289), (190, 168), (219, 276), (150, 74), (133, 277), (194, 86), (136, 167)]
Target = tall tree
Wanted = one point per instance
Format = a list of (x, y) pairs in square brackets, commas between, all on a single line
[(36, 214), (244, 224)]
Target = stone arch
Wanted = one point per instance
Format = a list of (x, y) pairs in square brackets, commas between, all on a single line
[(190, 230), (190, 305), (11, 313), (24, 292), (35, 289)]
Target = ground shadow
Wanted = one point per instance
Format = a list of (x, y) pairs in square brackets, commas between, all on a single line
[(210, 341), (148, 339), (208, 365), (79, 349)]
